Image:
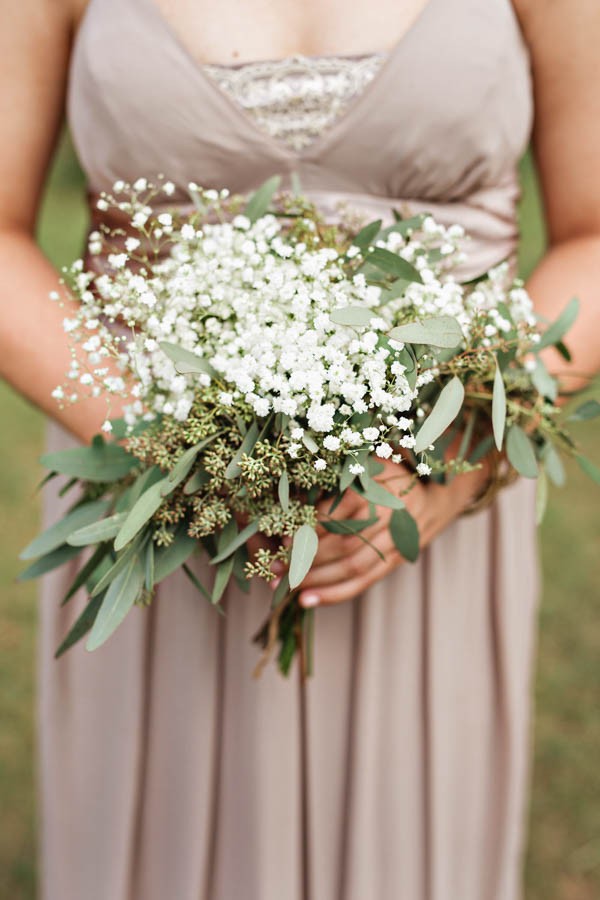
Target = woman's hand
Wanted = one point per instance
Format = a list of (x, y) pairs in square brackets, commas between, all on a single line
[(345, 565)]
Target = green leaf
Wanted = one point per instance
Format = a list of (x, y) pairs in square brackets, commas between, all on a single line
[(87, 571), (591, 470), (118, 600), (260, 201), (348, 526), (183, 466), (405, 534), (149, 567), (283, 490), (222, 576), (358, 316), (554, 466), (305, 544), (82, 625), (377, 494), (197, 583), (367, 235), (58, 533), (52, 560), (347, 477), (310, 443), (520, 452), (393, 264), (446, 409), (186, 362), (168, 559), (238, 541), (541, 496), (544, 382), (555, 333), (104, 530), (129, 498), (119, 564), (196, 482), (246, 447), (140, 514), (99, 462), (498, 408), (588, 410), (438, 331)]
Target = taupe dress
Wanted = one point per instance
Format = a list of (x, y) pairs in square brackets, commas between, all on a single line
[(167, 772)]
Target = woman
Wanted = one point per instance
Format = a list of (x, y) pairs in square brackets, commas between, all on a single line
[(166, 770)]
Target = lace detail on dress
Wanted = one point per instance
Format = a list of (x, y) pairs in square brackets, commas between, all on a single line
[(295, 99)]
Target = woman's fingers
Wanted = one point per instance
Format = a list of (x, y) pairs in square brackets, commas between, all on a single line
[(353, 565)]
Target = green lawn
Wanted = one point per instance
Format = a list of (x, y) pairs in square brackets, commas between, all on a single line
[(564, 851)]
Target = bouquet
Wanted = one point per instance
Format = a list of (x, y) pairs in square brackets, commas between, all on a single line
[(267, 362)]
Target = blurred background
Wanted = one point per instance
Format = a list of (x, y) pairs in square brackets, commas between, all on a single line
[(563, 859)]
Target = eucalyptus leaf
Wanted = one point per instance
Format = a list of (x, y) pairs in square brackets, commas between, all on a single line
[(347, 477), (238, 541), (246, 447), (376, 493), (367, 235), (86, 572), (305, 544), (129, 498), (520, 452), (98, 462), (261, 199), (590, 469), (283, 490), (57, 557), (149, 567), (498, 408), (186, 362), (57, 534), (393, 264), (168, 559), (555, 332), (405, 534), (446, 409), (197, 583), (222, 577), (104, 530), (118, 600), (588, 410), (196, 482), (554, 466), (82, 625), (140, 514), (348, 526), (358, 316), (119, 564), (544, 382), (438, 331), (310, 443), (183, 466)]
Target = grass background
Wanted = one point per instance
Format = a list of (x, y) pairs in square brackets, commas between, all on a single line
[(563, 860)]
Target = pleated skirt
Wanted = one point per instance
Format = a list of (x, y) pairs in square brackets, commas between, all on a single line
[(401, 773)]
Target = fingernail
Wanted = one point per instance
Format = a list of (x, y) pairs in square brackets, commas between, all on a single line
[(275, 583), (308, 600)]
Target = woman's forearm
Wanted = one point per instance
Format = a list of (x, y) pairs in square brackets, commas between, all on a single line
[(34, 353), (571, 269)]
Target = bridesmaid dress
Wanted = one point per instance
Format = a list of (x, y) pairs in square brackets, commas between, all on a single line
[(167, 771)]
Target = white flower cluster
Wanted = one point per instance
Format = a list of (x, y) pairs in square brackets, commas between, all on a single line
[(257, 307)]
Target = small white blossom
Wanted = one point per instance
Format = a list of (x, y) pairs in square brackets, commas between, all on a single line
[(320, 464), (423, 469), (107, 426), (384, 451), (356, 469)]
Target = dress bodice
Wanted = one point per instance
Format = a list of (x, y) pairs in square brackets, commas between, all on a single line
[(440, 124)]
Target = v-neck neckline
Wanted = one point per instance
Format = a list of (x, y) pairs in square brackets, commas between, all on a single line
[(345, 118)]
